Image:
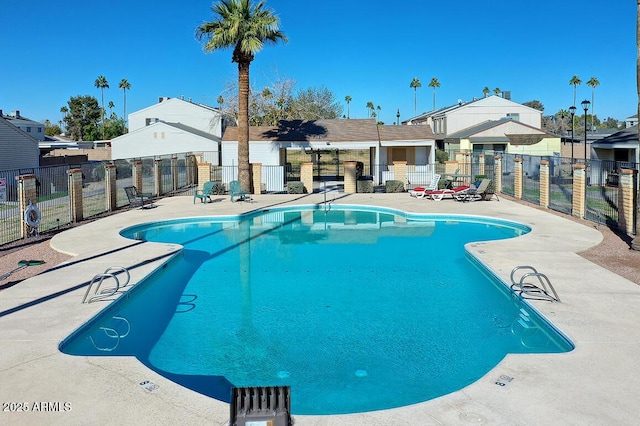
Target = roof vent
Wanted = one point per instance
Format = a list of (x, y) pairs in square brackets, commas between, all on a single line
[(507, 94)]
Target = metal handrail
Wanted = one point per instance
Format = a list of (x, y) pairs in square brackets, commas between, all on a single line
[(528, 290), (98, 279)]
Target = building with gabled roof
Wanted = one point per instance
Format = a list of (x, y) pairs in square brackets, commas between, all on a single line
[(171, 126), (18, 149)]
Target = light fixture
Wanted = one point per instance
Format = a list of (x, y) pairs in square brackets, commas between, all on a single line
[(585, 105)]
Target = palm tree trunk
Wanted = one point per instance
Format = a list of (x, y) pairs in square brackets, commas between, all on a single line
[(244, 174)]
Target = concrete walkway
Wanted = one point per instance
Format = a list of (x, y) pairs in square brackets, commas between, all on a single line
[(597, 383)]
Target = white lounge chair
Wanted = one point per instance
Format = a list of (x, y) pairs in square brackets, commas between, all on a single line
[(421, 192), (451, 193)]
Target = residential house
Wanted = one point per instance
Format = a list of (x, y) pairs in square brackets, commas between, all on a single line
[(171, 126), (631, 121), (614, 152), (30, 127), (18, 149), (449, 120), (382, 145)]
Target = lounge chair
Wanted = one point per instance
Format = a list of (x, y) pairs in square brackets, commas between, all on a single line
[(473, 194), (204, 194), (441, 194), (137, 198), (237, 192), (422, 191)]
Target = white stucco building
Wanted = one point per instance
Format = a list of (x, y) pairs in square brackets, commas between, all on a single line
[(171, 126)]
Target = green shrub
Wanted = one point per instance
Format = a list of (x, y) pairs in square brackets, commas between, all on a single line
[(364, 186), (394, 186), (295, 188), (442, 156)]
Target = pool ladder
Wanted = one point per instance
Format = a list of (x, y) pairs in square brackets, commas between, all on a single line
[(98, 279), (542, 290)]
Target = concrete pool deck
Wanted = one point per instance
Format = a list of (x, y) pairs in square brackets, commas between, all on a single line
[(596, 383)]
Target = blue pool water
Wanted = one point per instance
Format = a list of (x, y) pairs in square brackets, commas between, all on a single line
[(356, 309)]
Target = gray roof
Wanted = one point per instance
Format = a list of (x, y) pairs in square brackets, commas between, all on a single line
[(628, 136)]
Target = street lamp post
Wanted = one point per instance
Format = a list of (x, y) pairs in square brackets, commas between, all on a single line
[(585, 106), (572, 111), (398, 117)]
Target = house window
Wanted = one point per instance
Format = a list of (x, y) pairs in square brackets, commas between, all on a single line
[(39, 129), (28, 129), (514, 116)]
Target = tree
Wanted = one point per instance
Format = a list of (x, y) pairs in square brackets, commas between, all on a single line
[(435, 84), (245, 27), (486, 91), (497, 91), (51, 129), (593, 83), (82, 119), (575, 82), (371, 109), (535, 104), (124, 85), (111, 106), (102, 83), (348, 100), (415, 83)]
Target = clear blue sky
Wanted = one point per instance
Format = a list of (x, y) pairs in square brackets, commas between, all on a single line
[(368, 49)]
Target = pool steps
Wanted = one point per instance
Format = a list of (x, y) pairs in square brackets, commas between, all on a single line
[(543, 290), (98, 279)]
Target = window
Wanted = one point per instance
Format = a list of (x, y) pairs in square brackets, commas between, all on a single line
[(28, 129), (514, 116), (39, 129)]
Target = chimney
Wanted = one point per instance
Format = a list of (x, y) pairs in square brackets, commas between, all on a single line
[(162, 98), (0, 113), (507, 94)]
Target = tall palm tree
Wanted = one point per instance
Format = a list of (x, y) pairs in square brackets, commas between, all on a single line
[(415, 83), (378, 113), (575, 82), (371, 109), (497, 91), (125, 85), (435, 84), (593, 83), (102, 83), (245, 27), (486, 91), (348, 100)]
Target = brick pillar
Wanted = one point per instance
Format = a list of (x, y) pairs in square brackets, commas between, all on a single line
[(544, 183), (626, 201), (400, 172), (350, 184), (174, 173), (27, 192), (136, 174), (497, 173), (517, 178), (257, 178), (579, 204), (110, 187), (157, 176), (204, 174), (481, 165), (306, 176), (75, 195)]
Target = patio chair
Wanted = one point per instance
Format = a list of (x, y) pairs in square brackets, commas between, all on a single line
[(237, 192), (422, 191), (138, 199), (473, 194), (204, 194), (441, 194)]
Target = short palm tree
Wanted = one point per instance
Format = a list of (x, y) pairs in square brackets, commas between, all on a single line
[(124, 85), (486, 91), (497, 91), (593, 83), (245, 27), (348, 100), (415, 83), (102, 83), (575, 82), (435, 84)]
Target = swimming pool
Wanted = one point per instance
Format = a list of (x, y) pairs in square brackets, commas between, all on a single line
[(357, 309)]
